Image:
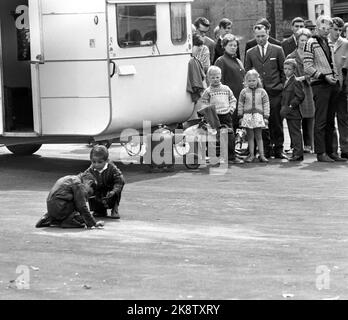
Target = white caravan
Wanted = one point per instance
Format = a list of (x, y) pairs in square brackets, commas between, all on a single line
[(83, 70)]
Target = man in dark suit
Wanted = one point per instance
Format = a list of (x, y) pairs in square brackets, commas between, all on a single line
[(290, 44), (340, 51), (268, 60), (225, 27), (252, 43)]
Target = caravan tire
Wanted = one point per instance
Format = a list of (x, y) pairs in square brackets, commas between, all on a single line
[(24, 149)]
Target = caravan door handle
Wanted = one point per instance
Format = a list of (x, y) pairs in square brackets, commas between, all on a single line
[(113, 70), (39, 59)]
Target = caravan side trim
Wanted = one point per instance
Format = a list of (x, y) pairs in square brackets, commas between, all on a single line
[(2, 105), (142, 1)]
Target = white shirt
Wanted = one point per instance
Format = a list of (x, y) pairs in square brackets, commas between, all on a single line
[(287, 80), (294, 39), (265, 48), (102, 170)]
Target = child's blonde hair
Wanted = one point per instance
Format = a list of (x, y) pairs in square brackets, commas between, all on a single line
[(254, 73), (291, 62), (213, 69)]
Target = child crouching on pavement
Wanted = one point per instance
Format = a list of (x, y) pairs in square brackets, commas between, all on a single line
[(225, 103), (292, 97), (67, 203), (109, 185)]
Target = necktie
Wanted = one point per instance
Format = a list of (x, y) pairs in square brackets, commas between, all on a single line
[(263, 52)]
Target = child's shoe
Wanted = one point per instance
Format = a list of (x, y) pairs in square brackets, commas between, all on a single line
[(250, 158), (115, 214), (307, 149), (45, 221), (263, 159), (100, 212), (235, 161)]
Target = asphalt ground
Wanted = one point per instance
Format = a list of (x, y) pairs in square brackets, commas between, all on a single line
[(275, 231)]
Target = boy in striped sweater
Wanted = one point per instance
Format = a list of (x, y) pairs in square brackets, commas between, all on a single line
[(319, 64), (225, 103)]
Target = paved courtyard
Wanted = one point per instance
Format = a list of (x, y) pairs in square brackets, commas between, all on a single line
[(276, 231)]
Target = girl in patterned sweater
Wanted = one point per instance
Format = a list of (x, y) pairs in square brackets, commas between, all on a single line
[(254, 110)]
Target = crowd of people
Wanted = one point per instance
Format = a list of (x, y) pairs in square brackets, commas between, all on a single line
[(301, 79)]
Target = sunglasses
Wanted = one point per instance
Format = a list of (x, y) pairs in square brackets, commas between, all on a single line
[(260, 27), (203, 32)]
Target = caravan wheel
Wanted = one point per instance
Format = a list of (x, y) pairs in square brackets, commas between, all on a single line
[(24, 149), (192, 165)]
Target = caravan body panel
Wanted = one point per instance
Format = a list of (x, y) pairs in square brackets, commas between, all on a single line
[(159, 102), (157, 74), (76, 45), (72, 6), (1, 91), (74, 84)]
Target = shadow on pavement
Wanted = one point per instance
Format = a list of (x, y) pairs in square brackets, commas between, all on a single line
[(39, 173)]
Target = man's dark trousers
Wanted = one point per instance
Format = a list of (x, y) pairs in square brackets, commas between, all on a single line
[(274, 136), (342, 122), (325, 97)]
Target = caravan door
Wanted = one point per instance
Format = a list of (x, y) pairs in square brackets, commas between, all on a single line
[(1, 90), (149, 49), (16, 76), (69, 50)]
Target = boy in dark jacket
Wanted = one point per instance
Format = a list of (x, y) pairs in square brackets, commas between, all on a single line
[(109, 186), (293, 95), (67, 203)]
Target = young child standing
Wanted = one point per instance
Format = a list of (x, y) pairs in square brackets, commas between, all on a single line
[(293, 95), (109, 186), (67, 203), (225, 103), (254, 111)]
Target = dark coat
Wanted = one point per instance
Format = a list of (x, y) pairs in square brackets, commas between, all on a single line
[(195, 79), (67, 196), (293, 95), (289, 45), (270, 67), (110, 179), (307, 107), (232, 73), (252, 43)]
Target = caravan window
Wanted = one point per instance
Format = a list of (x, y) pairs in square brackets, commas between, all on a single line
[(178, 22), (136, 25)]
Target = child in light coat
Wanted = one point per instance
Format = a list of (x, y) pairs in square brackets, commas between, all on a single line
[(254, 111)]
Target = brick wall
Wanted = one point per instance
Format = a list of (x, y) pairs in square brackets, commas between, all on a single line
[(279, 26)]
